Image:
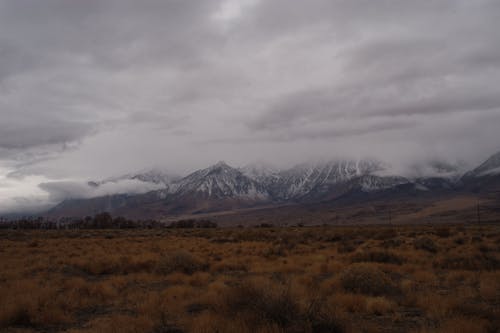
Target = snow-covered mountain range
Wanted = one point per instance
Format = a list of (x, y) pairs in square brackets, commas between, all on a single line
[(222, 187)]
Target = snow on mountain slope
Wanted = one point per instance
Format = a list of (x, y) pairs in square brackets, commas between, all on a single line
[(260, 172), (306, 178), (370, 183), (219, 181)]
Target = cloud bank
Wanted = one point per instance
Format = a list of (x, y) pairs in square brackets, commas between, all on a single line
[(62, 190)]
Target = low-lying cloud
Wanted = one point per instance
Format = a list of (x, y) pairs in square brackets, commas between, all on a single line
[(61, 190)]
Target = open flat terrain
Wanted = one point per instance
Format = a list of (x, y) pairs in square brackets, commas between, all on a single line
[(309, 279), (431, 210)]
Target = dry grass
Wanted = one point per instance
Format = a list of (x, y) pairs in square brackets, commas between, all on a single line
[(321, 279)]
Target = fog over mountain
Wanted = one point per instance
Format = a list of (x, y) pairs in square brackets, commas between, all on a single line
[(93, 90)]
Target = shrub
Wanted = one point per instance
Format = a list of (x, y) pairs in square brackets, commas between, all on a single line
[(16, 314), (379, 305), (275, 251), (425, 243), (485, 248), (261, 300), (353, 303), (478, 261), (268, 304), (25, 306), (366, 279), (436, 306), (378, 256), (320, 317), (464, 325), (347, 246), (334, 238), (443, 232), (489, 286), (386, 234), (476, 239), (392, 243), (229, 266), (33, 244), (180, 261)]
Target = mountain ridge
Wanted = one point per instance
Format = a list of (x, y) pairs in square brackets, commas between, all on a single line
[(223, 187)]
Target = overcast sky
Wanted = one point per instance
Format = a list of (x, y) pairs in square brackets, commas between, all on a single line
[(96, 88)]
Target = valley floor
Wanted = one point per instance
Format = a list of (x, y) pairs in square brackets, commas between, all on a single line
[(452, 208), (310, 279)]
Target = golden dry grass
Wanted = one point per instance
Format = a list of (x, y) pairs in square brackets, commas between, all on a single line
[(318, 279)]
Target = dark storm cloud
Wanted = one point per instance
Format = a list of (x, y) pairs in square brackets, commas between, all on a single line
[(90, 89)]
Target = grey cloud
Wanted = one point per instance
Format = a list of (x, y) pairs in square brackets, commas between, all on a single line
[(92, 88), (62, 62), (296, 106), (341, 129), (317, 107), (28, 135), (15, 59), (112, 34), (430, 58), (24, 205), (388, 125)]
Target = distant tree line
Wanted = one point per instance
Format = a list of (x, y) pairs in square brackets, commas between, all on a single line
[(102, 220), (192, 223)]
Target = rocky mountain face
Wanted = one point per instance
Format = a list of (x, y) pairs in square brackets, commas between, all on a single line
[(222, 187)]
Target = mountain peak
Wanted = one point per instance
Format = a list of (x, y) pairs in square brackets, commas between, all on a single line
[(221, 181), (219, 167), (221, 164)]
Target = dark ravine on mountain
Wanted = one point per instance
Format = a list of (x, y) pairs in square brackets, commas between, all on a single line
[(221, 187)]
